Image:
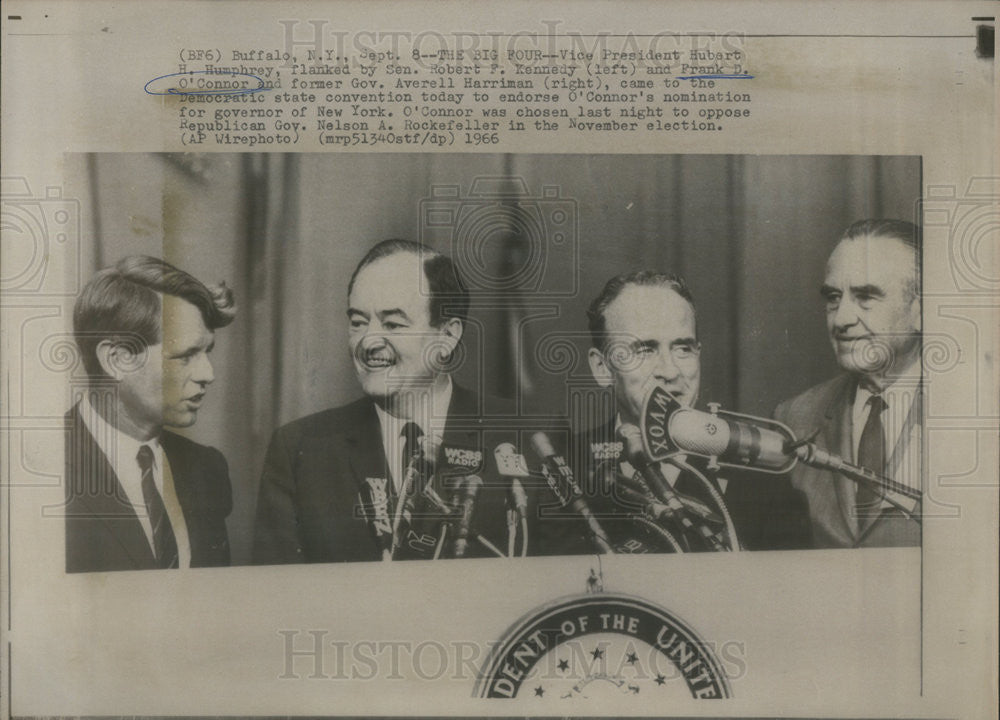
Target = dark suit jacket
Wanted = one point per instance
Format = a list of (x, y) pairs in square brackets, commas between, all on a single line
[(831, 497), (314, 503), (102, 530), (767, 513)]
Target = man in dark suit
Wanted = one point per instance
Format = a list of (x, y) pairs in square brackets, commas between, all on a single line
[(871, 414), (408, 471), (137, 496), (643, 333)]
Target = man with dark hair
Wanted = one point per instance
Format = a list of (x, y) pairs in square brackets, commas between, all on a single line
[(871, 414), (137, 496), (392, 475), (643, 333)]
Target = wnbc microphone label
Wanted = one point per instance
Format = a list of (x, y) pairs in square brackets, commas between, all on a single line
[(581, 645)]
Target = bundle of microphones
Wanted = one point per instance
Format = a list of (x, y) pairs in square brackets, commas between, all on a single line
[(441, 484), (421, 500)]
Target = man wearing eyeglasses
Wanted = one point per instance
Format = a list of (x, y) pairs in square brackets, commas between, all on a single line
[(643, 333)]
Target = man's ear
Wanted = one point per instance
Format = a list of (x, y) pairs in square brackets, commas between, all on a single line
[(451, 333), (916, 316), (117, 359), (599, 368), (107, 353)]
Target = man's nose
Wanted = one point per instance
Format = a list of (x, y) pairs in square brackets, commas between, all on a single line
[(203, 373), (846, 314), (666, 367), (373, 338)]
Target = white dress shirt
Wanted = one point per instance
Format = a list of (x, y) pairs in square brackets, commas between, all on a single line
[(431, 414), (122, 452), (902, 453)]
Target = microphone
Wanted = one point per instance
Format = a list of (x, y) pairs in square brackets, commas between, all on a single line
[(420, 464), (471, 488), (903, 497), (511, 464), (673, 509), (517, 498), (636, 491), (631, 437), (730, 438), (751, 442), (648, 504), (375, 506), (559, 478)]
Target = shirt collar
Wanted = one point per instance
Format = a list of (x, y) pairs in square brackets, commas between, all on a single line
[(901, 387), (432, 415), (123, 448)]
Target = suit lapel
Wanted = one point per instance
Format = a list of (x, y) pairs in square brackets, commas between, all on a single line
[(99, 495), (366, 454), (183, 472), (910, 436), (366, 459)]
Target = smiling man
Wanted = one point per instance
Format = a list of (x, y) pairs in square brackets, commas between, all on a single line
[(138, 496), (871, 414), (644, 333), (348, 483)]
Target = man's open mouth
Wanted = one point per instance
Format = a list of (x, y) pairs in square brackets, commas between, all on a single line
[(377, 362)]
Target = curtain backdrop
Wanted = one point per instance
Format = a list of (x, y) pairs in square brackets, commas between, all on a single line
[(749, 234)]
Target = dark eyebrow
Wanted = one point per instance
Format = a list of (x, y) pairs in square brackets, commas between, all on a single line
[(684, 341), (827, 290), (867, 290), (652, 344), (382, 314), (355, 311), (190, 351)]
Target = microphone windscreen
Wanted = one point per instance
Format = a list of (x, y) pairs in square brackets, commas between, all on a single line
[(429, 445), (510, 463), (632, 437), (472, 485), (699, 432), (542, 445)]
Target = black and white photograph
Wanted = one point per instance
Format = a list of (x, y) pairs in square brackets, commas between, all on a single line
[(550, 359), (440, 356)]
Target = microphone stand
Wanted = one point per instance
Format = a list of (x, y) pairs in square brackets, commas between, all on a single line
[(635, 491), (683, 465), (810, 454), (661, 409)]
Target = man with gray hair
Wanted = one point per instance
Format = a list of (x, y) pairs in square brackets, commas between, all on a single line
[(137, 496), (870, 414)]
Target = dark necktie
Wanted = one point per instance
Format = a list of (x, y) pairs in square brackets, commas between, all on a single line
[(411, 442), (411, 434), (871, 455), (164, 542)]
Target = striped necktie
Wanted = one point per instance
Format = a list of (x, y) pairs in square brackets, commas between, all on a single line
[(164, 542)]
